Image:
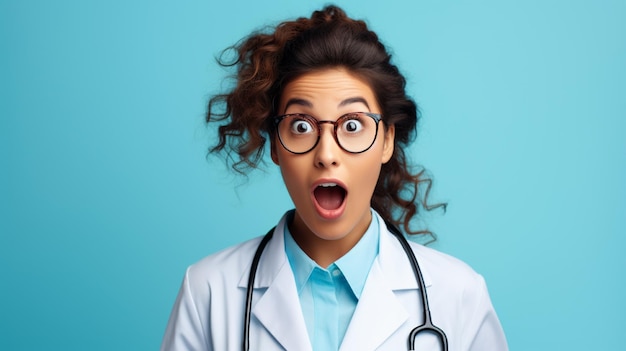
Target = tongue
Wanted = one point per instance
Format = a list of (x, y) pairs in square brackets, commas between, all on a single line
[(329, 198)]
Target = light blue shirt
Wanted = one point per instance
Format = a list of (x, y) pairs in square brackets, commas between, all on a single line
[(328, 297)]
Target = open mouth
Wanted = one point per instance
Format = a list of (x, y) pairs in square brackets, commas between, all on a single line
[(329, 196)]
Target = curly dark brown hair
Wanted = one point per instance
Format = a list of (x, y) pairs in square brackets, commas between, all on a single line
[(267, 62)]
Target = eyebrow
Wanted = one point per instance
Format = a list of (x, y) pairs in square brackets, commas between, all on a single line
[(306, 103), (300, 102), (354, 100)]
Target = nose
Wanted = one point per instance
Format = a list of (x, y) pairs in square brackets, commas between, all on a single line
[(327, 150)]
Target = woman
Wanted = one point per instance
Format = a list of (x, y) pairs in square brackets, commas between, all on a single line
[(332, 276)]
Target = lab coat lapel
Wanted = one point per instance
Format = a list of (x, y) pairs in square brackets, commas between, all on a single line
[(379, 312), (278, 308), (394, 262)]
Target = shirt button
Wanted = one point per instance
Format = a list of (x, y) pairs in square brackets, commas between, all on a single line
[(336, 272)]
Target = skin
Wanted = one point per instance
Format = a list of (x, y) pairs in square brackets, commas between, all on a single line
[(326, 95)]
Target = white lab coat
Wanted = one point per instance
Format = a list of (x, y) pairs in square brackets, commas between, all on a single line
[(208, 312)]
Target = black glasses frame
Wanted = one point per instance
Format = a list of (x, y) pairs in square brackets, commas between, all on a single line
[(375, 116)]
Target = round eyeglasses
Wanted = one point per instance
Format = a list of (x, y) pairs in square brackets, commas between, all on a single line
[(354, 132)]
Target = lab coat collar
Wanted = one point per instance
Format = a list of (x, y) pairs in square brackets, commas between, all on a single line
[(378, 312), (395, 264)]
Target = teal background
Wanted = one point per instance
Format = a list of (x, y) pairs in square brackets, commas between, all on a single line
[(106, 194)]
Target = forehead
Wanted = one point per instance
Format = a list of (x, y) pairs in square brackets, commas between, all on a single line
[(328, 87)]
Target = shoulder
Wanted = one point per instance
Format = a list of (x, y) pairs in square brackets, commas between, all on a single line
[(438, 269), (457, 290), (442, 268), (438, 260), (202, 301), (229, 268), (229, 263)]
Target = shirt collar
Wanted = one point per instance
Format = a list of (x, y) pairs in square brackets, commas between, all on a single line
[(354, 265)]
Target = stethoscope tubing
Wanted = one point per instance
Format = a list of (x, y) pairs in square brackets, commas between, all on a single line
[(428, 322), (250, 288), (426, 326)]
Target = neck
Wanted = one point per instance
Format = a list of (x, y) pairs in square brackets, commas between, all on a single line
[(326, 250)]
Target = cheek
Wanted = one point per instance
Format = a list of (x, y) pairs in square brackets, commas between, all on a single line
[(293, 172), (367, 174)]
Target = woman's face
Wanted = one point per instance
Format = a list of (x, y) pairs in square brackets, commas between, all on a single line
[(330, 187)]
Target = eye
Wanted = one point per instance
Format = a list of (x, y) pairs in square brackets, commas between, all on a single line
[(352, 124), (301, 126)]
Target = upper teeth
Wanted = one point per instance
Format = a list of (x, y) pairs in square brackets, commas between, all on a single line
[(326, 185)]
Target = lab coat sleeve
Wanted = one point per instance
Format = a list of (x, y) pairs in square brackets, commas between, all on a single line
[(482, 330), (184, 329)]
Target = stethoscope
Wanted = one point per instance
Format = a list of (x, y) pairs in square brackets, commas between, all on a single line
[(427, 326)]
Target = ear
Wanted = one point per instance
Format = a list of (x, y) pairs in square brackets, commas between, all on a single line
[(273, 151), (388, 143)]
